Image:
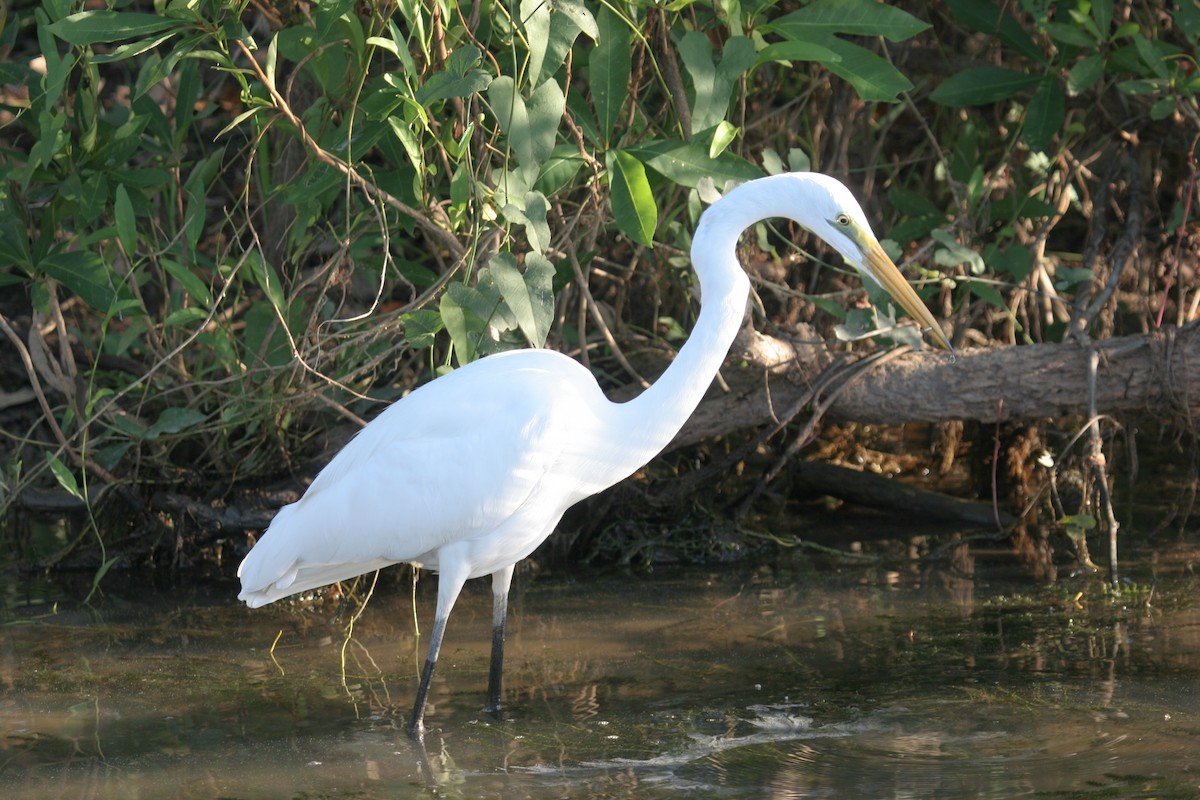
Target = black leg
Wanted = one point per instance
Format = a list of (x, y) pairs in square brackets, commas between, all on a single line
[(450, 583), (416, 725), (500, 583)]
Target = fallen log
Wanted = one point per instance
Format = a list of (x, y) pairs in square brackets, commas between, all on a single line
[(1143, 372)]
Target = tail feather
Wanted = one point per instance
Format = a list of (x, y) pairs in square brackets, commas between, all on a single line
[(302, 577)]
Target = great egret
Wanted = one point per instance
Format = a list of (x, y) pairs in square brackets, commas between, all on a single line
[(469, 473)]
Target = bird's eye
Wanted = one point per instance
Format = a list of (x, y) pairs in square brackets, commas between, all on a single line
[(842, 220)]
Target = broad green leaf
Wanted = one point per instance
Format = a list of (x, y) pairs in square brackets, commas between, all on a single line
[(421, 327), (126, 223), (632, 201), (175, 420), (979, 86), (1163, 107), (797, 50), (192, 284), (184, 316), (569, 17), (85, 274), (609, 67), (857, 17), (1084, 75), (724, 136), (1102, 15), (466, 312), (986, 17), (93, 27), (713, 83), (873, 77), (14, 241), (132, 49), (1045, 114), (910, 203), (510, 110), (987, 291), (264, 335), (580, 15), (1015, 261), (952, 253), (458, 79), (560, 169), (454, 320), (530, 297), (545, 109), (535, 19), (1072, 35), (688, 163), (64, 475), (532, 216)]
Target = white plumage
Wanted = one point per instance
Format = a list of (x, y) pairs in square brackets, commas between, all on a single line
[(468, 474)]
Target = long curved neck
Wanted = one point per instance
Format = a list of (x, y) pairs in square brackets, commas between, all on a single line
[(656, 415)]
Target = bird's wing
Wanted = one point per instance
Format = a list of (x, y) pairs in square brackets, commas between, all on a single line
[(455, 459)]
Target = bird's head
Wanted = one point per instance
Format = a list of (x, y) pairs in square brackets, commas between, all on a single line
[(832, 213)]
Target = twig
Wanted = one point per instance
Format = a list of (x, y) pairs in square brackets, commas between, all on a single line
[(1118, 258), (996, 464), (856, 371), (431, 228), (1098, 466)]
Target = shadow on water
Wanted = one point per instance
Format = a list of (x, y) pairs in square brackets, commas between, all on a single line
[(782, 682)]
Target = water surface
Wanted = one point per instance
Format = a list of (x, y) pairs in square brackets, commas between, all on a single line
[(781, 681)]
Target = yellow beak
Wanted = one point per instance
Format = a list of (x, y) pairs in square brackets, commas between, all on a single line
[(884, 271)]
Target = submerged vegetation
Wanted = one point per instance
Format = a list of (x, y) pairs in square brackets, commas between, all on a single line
[(228, 231)]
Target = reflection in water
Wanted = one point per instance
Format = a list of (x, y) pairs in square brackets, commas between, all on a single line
[(920, 681)]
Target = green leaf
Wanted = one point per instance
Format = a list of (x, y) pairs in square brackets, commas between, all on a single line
[(857, 17), (632, 201), (797, 50), (985, 17), (532, 216), (725, 135), (988, 292), (421, 327), (196, 288), (1102, 15), (126, 224), (1069, 35), (560, 169), (530, 297), (873, 77), (687, 163), (466, 313), (979, 86), (93, 27), (64, 475), (952, 253), (1045, 115), (85, 274), (1084, 75), (132, 49), (713, 83), (546, 106), (535, 19), (174, 420), (567, 19), (513, 115), (609, 68), (1163, 107), (458, 79)]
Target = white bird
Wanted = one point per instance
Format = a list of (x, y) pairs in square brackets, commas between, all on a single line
[(468, 474)]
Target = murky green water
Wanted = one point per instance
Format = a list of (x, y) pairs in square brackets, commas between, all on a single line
[(782, 682)]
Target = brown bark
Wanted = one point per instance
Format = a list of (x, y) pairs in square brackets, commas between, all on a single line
[(1139, 373)]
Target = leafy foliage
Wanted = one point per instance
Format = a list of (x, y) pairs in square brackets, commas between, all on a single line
[(222, 223)]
